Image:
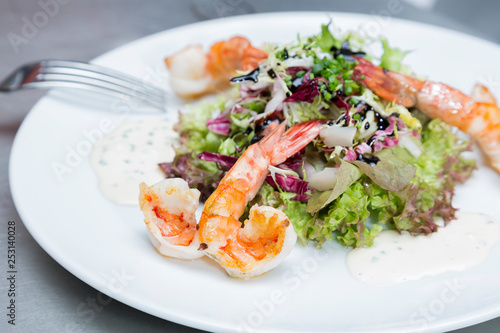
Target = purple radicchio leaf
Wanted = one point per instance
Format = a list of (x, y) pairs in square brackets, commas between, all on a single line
[(290, 184), (223, 160), (341, 103), (294, 161), (219, 125), (167, 168), (307, 91), (188, 168)]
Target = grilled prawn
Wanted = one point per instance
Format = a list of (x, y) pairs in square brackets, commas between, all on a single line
[(194, 73), (478, 118), (243, 249)]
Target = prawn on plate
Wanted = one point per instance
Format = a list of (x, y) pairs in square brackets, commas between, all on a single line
[(194, 72), (169, 212), (480, 117), (243, 249)]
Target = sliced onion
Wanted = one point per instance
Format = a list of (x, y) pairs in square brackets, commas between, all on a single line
[(338, 136), (410, 145), (299, 62), (305, 170), (275, 102), (322, 180), (364, 133)]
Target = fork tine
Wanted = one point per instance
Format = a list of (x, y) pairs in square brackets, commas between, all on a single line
[(92, 71), (97, 83), (59, 72), (54, 80), (101, 71)]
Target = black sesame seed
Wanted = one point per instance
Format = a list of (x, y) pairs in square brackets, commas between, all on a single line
[(271, 73), (285, 54)]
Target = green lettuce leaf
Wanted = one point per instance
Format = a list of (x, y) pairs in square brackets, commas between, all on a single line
[(194, 134), (390, 173), (392, 57), (346, 175), (325, 39), (347, 217), (360, 212)]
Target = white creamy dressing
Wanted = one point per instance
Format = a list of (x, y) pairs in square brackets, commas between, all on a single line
[(130, 155), (396, 258)]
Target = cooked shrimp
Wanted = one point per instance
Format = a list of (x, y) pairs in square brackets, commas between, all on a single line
[(194, 73), (244, 250), (266, 238), (482, 94), (479, 119), (169, 212)]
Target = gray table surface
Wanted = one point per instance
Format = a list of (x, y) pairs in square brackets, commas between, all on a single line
[(48, 296)]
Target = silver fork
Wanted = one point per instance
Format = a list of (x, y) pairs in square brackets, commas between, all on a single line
[(72, 74)]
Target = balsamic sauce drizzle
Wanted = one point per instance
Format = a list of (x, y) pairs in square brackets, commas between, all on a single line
[(363, 107), (372, 161), (345, 50), (252, 76)]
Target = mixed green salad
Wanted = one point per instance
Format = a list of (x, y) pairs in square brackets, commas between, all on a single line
[(375, 164)]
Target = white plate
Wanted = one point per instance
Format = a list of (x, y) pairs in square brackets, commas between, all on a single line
[(106, 246)]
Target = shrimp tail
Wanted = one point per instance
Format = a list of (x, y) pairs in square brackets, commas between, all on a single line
[(387, 84), (272, 137), (236, 53), (296, 138), (275, 148), (479, 117)]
